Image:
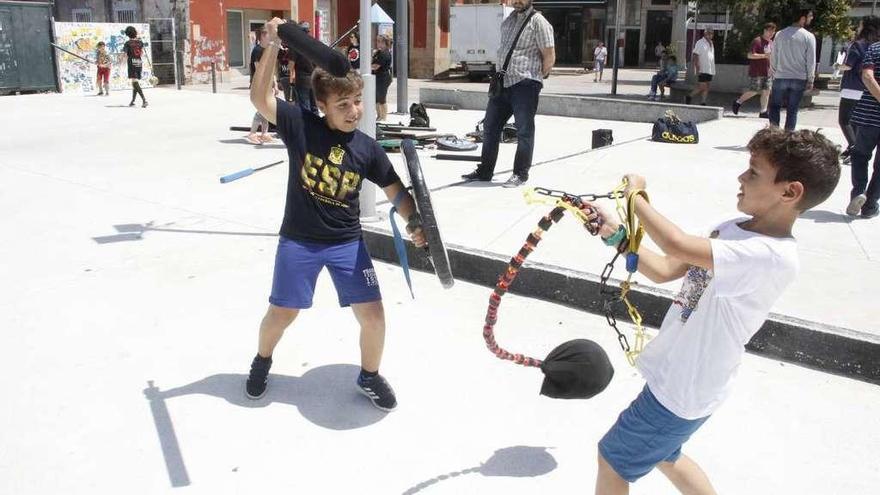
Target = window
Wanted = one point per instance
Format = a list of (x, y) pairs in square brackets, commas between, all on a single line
[(125, 16), (81, 15)]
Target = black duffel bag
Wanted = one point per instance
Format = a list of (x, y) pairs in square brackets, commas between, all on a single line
[(671, 129)]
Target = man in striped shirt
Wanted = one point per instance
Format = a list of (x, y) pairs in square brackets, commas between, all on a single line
[(531, 61), (866, 119)]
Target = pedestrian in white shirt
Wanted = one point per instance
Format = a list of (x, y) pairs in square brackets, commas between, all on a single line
[(704, 66), (600, 54)]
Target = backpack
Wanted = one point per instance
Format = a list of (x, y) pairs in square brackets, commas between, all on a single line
[(418, 116)]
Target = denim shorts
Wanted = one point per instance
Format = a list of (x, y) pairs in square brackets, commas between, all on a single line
[(645, 434), (298, 263)]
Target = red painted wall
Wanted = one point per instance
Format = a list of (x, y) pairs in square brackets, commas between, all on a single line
[(420, 23), (210, 15)]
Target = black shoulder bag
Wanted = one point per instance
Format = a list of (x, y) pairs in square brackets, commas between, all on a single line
[(496, 82)]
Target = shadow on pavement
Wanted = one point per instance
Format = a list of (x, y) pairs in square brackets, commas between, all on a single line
[(327, 396), (241, 140), (825, 216), (743, 149), (515, 462), (135, 231)]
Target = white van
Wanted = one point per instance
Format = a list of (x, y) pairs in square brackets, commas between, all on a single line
[(475, 32)]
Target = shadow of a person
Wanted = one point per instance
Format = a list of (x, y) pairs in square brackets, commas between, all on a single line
[(825, 216), (327, 395), (516, 462)]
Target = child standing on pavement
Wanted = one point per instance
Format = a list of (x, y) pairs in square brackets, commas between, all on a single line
[(731, 280), (329, 158), (134, 50), (102, 60)]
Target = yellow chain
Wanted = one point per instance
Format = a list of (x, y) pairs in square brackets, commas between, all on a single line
[(635, 233)]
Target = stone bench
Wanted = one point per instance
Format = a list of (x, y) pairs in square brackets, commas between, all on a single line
[(586, 107)]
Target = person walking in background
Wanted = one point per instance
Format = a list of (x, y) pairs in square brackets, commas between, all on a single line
[(354, 51), (852, 87), (102, 60), (793, 66), (532, 58), (759, 70), (866, 120), (381, 68), (600, 54), (704, 66)]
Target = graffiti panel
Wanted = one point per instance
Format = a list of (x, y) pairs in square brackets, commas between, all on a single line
[(81, 38)]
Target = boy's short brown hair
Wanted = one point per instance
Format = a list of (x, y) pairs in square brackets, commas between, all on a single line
[(326, 84), (801, 156)]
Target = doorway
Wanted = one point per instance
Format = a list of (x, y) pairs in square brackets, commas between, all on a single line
[(567, 33), (235, 38), (659, 28)]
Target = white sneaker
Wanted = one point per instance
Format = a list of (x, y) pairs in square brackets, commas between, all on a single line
[(855, 205)]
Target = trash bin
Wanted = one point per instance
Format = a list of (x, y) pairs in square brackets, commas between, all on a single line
[(602, 137)]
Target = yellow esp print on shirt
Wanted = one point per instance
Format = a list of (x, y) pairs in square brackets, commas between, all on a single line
[(326, 182)]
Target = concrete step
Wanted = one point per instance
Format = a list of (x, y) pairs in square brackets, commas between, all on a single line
[(835, 350)]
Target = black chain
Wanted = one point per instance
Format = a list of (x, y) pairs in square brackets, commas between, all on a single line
[(614, 293), (555, 193)]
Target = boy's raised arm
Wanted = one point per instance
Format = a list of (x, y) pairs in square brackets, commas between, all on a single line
[(673, 241), (657, 267)]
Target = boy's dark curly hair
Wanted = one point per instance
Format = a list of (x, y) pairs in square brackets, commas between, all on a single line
[(131, 32), (801, 156)]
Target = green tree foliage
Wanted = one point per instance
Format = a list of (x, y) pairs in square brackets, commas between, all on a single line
[(749, 17)]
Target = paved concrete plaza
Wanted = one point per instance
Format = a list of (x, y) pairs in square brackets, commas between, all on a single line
[(135, 281)]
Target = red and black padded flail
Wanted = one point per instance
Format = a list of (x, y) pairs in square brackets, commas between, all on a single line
[(503, 285), (577, 369)]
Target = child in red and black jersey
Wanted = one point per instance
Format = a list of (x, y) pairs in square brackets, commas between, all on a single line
[(134, 51)]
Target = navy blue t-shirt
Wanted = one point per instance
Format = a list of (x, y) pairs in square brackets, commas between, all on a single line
[(852, 79), (327, 168)]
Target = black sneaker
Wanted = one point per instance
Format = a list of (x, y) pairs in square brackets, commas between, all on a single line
[(145, 104), (687, 100), (476, 176), (514, 181), (763, 115), (131, 104), (379, 392), (255, 387), (870, 211), (736, 106)]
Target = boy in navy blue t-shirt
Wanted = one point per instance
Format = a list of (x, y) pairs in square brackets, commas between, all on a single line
[(329, 158)]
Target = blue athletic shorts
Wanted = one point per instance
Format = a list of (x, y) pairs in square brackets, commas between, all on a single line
[(645, 434), (298, 263)]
